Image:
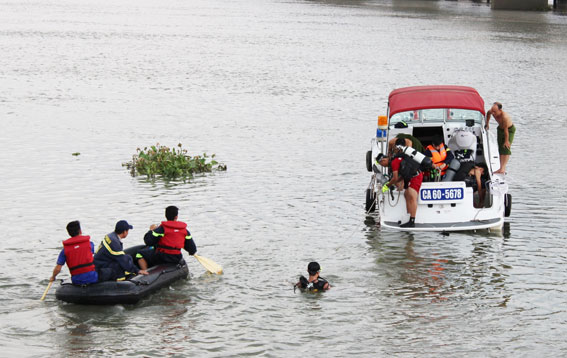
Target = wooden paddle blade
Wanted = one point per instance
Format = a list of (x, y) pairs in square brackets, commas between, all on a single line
[(209, 264), (47, 289)]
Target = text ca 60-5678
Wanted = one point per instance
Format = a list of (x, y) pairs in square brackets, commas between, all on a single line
[(442, 194)]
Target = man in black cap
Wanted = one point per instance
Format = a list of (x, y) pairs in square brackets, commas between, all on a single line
[(314, 283), (110, 260), (166, 241)]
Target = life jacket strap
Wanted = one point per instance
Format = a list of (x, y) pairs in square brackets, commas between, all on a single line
[(81, 266), (168, 247)]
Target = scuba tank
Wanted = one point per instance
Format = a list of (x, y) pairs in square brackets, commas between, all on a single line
[(452, 170), (424, 162)]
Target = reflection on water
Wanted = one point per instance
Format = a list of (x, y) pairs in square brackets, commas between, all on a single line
[(436, 267), (418, 273), (173, 331), (506, 230)]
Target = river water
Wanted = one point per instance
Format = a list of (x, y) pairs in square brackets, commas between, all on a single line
[(286, 93)]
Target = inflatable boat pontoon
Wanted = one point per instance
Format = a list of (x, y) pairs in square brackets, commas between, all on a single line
[(122, 292)]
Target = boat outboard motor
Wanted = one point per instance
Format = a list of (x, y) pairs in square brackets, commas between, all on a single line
[(424, 162), (452, 170)]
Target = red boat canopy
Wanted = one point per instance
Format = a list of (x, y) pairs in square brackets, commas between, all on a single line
[(430, 97)]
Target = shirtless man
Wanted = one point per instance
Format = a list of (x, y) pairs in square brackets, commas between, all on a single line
[(410, 140), (505, 131)]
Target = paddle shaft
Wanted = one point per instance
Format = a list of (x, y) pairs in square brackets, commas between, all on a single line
[(47, 289)]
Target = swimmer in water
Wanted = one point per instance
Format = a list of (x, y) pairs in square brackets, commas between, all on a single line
[(315, 282)]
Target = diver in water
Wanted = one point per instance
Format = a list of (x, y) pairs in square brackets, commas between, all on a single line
[(315, 282)]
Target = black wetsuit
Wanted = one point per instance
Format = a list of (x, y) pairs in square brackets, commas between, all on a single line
[(315, 286)]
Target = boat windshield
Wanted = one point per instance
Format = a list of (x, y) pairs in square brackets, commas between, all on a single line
[(437, 115)]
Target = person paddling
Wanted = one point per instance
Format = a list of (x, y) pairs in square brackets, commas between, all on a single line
[(315, 282), (78, 254), (168, 239)]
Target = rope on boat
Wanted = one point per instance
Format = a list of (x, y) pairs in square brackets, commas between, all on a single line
[(356, 228), (397, 200)]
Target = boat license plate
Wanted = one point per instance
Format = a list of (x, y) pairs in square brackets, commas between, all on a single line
[(438, 195)]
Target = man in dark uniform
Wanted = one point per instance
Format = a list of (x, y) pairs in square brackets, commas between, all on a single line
[(166, 241), (110, 260)]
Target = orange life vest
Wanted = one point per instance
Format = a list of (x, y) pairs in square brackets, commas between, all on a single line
[(78, 254), (173, 239), (438, 156)]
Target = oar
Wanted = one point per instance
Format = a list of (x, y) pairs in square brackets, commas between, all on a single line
[(209, 264), (47, 289)]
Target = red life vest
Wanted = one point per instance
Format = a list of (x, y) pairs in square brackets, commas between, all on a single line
[(78, 254), (438, 156), (173, 239)]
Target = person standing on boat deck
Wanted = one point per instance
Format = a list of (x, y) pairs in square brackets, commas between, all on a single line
[(440, 155), (78, 254), (110, 260), (406, 171), (168, 239), (505, 132)]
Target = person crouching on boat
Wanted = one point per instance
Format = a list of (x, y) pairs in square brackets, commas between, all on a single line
[(315, 282), (77, 253), (168, 239), (410, 141), (110, 260), (405, 171), (440, 155)]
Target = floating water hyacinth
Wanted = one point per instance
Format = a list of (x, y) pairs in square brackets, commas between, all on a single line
[(171, 163)]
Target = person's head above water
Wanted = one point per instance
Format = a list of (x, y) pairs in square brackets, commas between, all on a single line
[(315, 282), (313, 268)]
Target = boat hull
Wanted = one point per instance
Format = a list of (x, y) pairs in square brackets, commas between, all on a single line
[(128, 291), (450, 216), (455, 115), (494, 224)]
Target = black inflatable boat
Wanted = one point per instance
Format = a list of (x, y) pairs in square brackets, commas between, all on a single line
[(122, 292)]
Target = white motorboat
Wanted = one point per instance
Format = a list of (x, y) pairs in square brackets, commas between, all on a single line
[(457, 114)]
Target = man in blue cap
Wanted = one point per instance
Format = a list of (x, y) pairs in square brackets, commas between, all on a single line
[(110, 260)]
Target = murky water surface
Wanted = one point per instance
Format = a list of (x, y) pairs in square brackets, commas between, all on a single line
[(286, 93)]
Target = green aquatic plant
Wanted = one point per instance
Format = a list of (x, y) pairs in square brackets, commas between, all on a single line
[(171, 163)]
